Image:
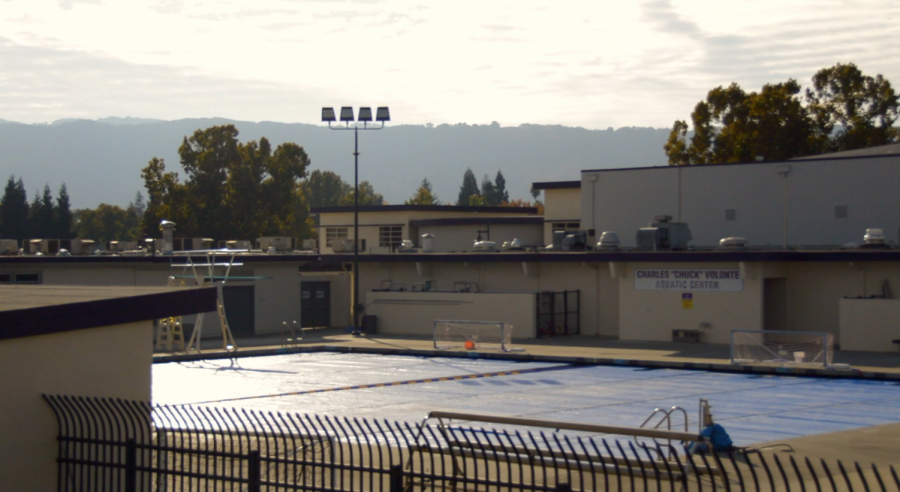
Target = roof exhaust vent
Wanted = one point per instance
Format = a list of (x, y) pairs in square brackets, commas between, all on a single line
[(733, 242), (874, 236), (609, 241)]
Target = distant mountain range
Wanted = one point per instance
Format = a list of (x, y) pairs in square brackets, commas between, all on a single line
[(101, 160)]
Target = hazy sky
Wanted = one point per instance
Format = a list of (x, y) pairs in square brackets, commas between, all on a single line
[(577, 63)]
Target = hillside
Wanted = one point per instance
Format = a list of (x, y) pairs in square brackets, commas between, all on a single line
[(101, 161)]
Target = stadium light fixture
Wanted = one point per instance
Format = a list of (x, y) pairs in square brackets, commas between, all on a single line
[(382, 115)]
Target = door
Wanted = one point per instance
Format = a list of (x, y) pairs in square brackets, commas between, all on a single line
[(775, 304), (315, 304), (240, 309)]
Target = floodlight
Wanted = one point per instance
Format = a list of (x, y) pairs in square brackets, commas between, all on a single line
[(328, 115), (383, 114), (347, 113), (365, 114)]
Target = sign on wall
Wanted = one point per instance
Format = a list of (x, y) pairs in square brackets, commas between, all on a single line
[(689, 279)]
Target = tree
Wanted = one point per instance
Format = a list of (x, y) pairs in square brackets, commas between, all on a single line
[(468, 189), (14, 211), (63, 214), (502, 195), (107, 223), (489, 191), (42, 220), (424, 195), (138, 204), (852, 110), (367, 196), (845, 110), (233, 190), (325, 189)]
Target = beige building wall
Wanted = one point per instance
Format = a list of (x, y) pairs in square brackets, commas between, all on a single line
[(869, 324), (414, 313), (560, 205), (112, 361), (652, 315), (370, 222), (598, 290)]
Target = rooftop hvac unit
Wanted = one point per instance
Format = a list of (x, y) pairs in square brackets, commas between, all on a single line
[(575, 241), (407, 246), (663, 235), (278, 243), (609, 240), (874, 239), (733, 242), (309, 244), (485, 246), (428, 243), (558, 237), (9, 246), (238, 244)]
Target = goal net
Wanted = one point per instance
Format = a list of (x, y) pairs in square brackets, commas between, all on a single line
[(781, 347), (472, 335)]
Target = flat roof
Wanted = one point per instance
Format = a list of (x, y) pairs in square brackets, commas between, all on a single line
[(426, 208), (556, 185), (878, 151), (538, 220), (820, 157), (30, 310)]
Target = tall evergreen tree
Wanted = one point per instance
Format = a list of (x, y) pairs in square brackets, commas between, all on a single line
[(489, 192), (500, 188), (14, 211), (43, 223), (63, 214), (468, 189)]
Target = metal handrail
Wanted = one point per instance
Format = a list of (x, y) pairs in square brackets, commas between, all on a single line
[(576, 426)]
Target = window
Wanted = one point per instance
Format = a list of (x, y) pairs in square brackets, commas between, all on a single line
[(335, 233), (730, 214), (390, 236), (20, 278), (840, 212), (566, 226)]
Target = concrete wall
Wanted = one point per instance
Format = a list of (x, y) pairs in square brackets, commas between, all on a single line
[(652, 315), (560, 205), (462, 237), (598, 291), (869, 324), (625, 200), (413, 313), (111, 361)]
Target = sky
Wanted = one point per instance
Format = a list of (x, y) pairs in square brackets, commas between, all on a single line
[(594, 64)]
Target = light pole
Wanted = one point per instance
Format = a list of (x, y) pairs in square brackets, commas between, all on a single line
[(365, 117)]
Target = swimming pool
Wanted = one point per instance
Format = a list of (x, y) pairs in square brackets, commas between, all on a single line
[(753, 408)]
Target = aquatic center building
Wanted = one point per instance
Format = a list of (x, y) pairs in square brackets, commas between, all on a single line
[(803, 263)]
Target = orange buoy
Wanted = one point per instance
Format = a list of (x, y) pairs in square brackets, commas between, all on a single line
[(470, 345)]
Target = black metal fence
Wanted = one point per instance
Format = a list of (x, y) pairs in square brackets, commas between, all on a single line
[(558, 313), (112, 445)]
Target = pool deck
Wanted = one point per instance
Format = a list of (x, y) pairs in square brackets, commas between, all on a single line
[(876, 444), (577, 349)]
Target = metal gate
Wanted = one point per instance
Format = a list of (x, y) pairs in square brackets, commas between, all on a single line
[(315, 304), (558, 313)]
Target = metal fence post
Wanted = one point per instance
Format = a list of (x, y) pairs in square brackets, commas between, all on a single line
[(253, 472), (396, 478), (130, 466)]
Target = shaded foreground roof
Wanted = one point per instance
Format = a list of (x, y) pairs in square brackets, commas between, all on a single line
[(29, 310)]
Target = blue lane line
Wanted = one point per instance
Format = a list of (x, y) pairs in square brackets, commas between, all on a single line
[(396, 383)]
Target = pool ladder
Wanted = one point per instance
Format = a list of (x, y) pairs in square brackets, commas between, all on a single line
[(666, 419)]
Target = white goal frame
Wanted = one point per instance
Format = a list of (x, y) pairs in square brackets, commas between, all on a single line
[(504, 340), (821, 355)]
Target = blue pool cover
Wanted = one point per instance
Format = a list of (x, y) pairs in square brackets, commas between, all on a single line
[(753, 408)]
